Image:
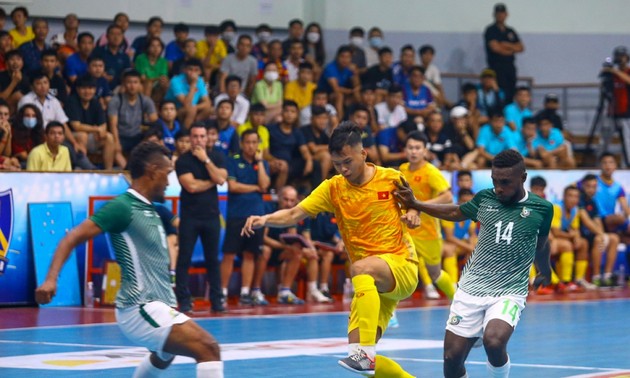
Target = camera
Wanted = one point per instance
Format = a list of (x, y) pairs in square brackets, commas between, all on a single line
[(606, 77)]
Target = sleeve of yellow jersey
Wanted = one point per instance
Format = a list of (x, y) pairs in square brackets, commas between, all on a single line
[(438, 182), (556, 222), (575, 223), (319, 200), (447, 224)]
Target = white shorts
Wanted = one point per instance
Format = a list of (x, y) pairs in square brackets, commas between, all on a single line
[(469, 315), (149, 325)]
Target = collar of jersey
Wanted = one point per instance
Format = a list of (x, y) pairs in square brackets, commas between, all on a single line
[(139, 196), (520, 201)]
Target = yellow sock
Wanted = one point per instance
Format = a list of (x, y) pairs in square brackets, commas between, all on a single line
[(423, 273), (554, 278), (449, 264), (580, 269), (532, 273), (367, 306), (445, 284), (566, 264), (388, 368)]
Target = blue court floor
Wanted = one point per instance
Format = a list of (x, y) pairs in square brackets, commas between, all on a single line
[(557, 339)]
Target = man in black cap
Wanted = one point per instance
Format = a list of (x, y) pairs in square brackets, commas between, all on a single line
[(502, 44), (550, 108), (621, 96)]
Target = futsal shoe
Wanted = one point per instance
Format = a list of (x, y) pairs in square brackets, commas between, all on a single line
[(544, 290), (258, 298), (562, 287), (572, 287), (318, 296), (586, 285), (359, 363), (290, 298), (245, 300), (327, 294), (430, 292)]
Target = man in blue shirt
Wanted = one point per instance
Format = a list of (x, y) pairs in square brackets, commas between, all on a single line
[(175, 49), (418, 97), (526, 142), (552, 148), (493, 138), (609, 194), (190, 94), (169, 123), (32, 50), (77, 64), (338, 80), (519, 109), (116, 61)]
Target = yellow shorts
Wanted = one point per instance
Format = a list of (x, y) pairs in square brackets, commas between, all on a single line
[(429, 250), (406, 275)]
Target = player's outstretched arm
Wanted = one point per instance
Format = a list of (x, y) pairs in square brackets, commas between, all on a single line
[(280, 218), (541, 260), (404, 194), (80, 234)]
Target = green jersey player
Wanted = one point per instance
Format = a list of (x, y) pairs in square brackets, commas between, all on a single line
[(493, 287), (144, 305)]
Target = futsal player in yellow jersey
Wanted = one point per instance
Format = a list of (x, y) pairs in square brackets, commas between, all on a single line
[(384, 266), (430, 186)]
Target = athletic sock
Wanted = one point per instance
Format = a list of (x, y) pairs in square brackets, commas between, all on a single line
[(244, 291), (224, 292), (388, 368), (580, 269), (498, 372), (449, 264), (312, 286), (210, 369), (147, 370), (353, 348), (423, 273), (445, 284), (532, 273), (324, 286), (554, 278), (367, 305), (566, 264)]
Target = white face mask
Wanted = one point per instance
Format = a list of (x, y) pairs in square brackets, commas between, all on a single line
[(312, 37), (228, 36), (356, 41), (271, 75), (264, 36)]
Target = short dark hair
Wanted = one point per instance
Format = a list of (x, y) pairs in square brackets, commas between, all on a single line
[(538, 181), (589, 177), (155, 130), (523, 88), (465, 192), (289, 104), (12, 53), (257, 108), (227, 24), (181, 27), (226, 101), (346, 134), (198, 124), (49, 52), (84, 35), (469, 87), (384, 50), (211, 30), (343, 49), (405, 48), (305, 66), (464, 172), (53, 124), (19, 9), (543, 116), (296, 21), (496, 113), (39, 20), (606, 154), (529, 120), (155, 19), (249, 132), (194, 62), (112, 27), (232, 78), (95, 57), (38, 75), (319, 90), (417, 68), (86, 81), (144, 154), (394, 88), (166, 102), (244, 36), (4, 33), (357, 30), (426, 48), (131, 72), (507, 159), (418, 136), (318, 110), (359, 108), (570, 187), (210, 126), (181, 134), (263, 27)]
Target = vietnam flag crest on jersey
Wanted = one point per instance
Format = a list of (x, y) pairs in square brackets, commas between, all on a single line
[(383, 195)]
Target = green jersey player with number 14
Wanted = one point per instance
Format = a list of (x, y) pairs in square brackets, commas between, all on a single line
[(493, 287)]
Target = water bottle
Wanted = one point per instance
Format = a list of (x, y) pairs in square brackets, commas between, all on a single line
[(89, 295), (348, 291), (621, 276)]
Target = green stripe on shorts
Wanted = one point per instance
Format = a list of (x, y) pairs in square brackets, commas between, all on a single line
[(148, 317)]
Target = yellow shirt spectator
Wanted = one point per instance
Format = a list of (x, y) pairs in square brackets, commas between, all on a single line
[(41, 159), (219, 52), (564, 222), (368, 216), (262, 131), (303, 96), (19, 39)]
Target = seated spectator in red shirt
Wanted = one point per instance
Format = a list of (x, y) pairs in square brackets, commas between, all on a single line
[(28, 132)]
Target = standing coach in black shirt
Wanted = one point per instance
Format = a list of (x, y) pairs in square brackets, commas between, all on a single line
[(502, 44), (199, 171)]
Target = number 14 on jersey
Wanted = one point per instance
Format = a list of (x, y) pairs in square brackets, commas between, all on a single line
[(503, 233)]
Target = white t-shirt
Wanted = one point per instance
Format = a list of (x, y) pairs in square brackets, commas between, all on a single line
[(305, 114), (51, 108), (241, 107), (388, 117)]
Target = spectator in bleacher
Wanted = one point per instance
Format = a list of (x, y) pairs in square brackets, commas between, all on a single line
[(401, 68), (228, 136), (6, 45), (592, 229), (390, 112), (462, 153), (13, 83), (182, 144), (274, 56), (127, 112), (369, 100), (339, 80), (375, 42), (296, 32), (121, 20), (493, 138), (432, 75), (320, 98), (190, 94), (211, 50), (610, 196), (153, 70), (261, 47), (301, 89), (228, 31), (519, 109), (551, 104), (77, 63), (7, 162), (380, 75), (439, 139), (256, 123), (526, 142), (418, 98), (234, 94), (490, 98), (240, 64), (96, 70), (287, 143), (310, 259), (390, 144), (27, 132), (317, 141), (314, 51), (360, 115), (323, 229), (67, 42), (88, 122), (268, 91), (115, 59), (248, 179), (502, 44), (21, 33), (356, 39), (190, 52), (3, 18), (469, 101), (460, 238), (174, 50), (141, 43), (294, 60), (50, 67), (52, 155), (464, 180), (572, 247), (551, 146), (32, 50), (199, 171), (169, 123), (621, 96)]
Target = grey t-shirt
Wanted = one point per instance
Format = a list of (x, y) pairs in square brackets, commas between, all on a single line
[(241, 68), (130, 117)]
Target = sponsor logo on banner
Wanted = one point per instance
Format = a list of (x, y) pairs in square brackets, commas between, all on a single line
[(6, 227)]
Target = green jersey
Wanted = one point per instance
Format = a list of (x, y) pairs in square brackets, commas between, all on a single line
[(506, 246), (139, 242)]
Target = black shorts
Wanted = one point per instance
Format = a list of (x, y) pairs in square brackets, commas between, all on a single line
[(235, 243), (590, 238)]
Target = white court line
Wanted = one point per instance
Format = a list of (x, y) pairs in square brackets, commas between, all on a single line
[(62, 344)]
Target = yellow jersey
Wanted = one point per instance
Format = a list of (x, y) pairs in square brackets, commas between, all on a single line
[(368, 216), (219, 52), (564, 222), (427, 182), (303, 96), (262, 131)]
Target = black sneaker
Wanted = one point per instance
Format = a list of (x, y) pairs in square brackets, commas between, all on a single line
[(359, 363), (218, 309), (245, 300), (327, 294)]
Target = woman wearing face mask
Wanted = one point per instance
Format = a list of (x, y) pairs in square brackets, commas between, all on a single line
[(268, 92), (261, 48), (28, 132), (375, 40), (314, 52), (228, 34)]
